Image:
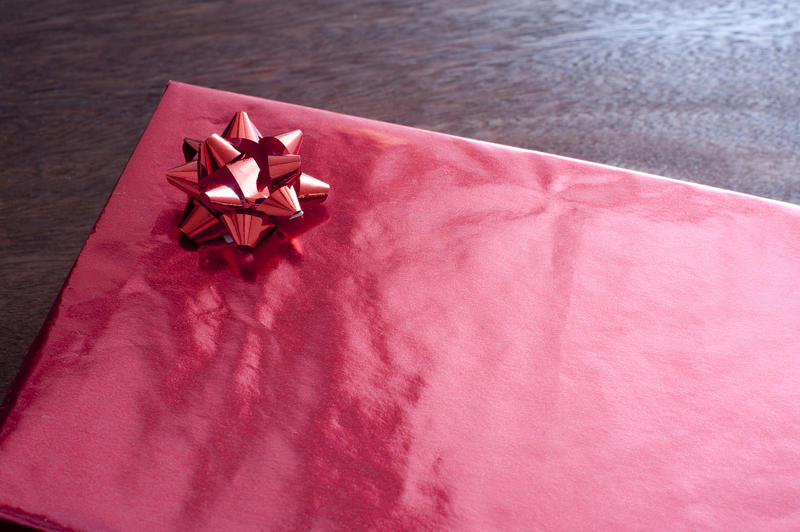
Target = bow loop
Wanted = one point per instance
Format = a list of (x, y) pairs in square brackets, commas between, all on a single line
[(243, 185)]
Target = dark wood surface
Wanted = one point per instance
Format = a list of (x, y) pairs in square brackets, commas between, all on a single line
[(700, 90)]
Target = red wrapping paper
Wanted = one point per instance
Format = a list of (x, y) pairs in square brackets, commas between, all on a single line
[(472, 337)]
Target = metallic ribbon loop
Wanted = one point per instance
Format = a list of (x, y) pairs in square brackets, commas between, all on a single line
[(242, 184)]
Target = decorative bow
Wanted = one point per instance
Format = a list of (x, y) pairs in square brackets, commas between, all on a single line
[(242, 184)]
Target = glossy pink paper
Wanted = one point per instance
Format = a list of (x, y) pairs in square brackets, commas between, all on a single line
[(472, 337)]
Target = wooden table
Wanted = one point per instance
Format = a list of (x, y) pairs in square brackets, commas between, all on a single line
[(703, 91)]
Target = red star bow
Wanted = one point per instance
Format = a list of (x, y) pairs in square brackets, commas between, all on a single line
[(243, 184)]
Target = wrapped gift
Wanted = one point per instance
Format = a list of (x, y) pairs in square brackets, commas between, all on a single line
[(464, 336)]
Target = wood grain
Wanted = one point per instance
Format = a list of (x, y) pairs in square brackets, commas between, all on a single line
[(705, 91)]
